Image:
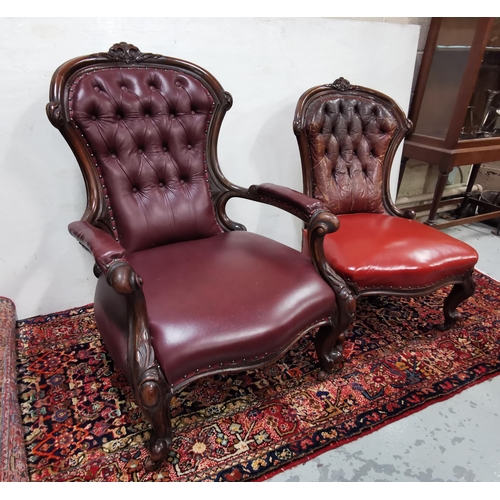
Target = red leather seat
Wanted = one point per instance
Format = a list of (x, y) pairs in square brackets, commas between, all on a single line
[(183, 291), (381, 251), (348, 136)]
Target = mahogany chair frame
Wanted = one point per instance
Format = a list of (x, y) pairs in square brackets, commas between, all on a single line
[(152, 390), (463, 285)]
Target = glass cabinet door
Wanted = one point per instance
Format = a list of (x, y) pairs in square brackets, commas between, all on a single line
[(483, 113), (447, 70)]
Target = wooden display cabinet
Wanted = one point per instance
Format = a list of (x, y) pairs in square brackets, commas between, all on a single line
[(456, 108)]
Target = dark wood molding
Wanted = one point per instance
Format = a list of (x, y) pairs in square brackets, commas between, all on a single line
[(407, 292)]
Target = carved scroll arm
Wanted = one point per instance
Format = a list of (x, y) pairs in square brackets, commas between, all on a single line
[(322, 223), (298, 204), (318, 223), (151, 388), (287, 199), (110, 258), (105, 249)]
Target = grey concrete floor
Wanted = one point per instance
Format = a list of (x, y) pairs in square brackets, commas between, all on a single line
[(455, 440)]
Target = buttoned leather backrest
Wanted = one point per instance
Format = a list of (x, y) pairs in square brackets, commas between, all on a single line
[(348, 138), (147, 129)]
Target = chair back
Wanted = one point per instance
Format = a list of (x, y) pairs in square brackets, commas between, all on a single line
[(348, 136), (144, 129)]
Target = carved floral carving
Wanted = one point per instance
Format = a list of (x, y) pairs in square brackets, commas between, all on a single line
[(54, 114), (229, 101), (341, 84), (128, 53)]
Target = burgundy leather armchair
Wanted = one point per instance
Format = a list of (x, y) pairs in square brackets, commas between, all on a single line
[(347, 137), (182, 290)]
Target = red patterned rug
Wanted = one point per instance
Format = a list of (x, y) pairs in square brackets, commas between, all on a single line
[(81, 423)]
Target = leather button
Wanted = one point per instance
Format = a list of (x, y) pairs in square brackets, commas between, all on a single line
[(139, 151), (178, 84), (134, 190), (94, 117), (123, 87), (182, 181), (164, 148), (172, 115), (152, 87), (189, 146), (97, 89), (193, 112), (161, 185), (146, 115), (113, 155), (118, 117)]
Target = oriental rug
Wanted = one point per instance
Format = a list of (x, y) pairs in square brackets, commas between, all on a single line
[(81, 422), (12, 452)]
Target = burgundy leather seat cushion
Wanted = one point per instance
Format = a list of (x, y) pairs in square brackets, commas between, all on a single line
[(222, 299), (380, 251)]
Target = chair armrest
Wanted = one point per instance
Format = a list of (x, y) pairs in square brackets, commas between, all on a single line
[(109, 256), (322, 223), (318, 223), (287, 199), (100, 244)]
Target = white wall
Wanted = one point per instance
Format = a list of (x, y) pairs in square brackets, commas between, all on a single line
[(265, 63)]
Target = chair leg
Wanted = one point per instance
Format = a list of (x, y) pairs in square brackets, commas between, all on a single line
[(155, 405), (459, 293), (328, 344), (151, 389), (330, 338)]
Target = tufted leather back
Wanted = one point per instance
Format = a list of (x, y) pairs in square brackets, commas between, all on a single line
[(346, 138), (147, 130)]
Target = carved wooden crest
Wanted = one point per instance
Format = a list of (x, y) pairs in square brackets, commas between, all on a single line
[(341, 84), (128, 53)]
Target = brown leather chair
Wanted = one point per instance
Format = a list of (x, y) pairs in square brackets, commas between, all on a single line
[(182, 291), (347, 138)]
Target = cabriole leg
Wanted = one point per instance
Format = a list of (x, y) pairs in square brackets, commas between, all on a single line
[(328, 344), (151, 389), (155, 404), (459, 293)]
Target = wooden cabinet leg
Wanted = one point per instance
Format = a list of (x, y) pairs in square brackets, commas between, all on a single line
[(438, 193), (463, 210)]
